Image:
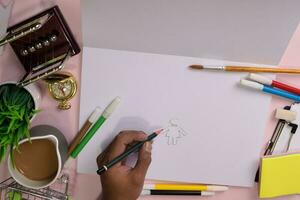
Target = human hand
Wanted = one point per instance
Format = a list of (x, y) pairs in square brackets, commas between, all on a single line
[(121, 182)]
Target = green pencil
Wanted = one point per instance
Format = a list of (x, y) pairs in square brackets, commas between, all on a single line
[(106, 113)]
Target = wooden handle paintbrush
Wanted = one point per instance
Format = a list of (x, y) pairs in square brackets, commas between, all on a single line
[(246, 69)]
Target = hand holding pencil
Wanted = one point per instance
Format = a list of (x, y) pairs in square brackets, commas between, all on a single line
[(119, 175), (121, 181)]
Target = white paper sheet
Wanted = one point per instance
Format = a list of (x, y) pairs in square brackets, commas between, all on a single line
[(215, 127)]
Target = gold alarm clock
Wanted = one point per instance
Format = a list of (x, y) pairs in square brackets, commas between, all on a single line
[(62, 87)]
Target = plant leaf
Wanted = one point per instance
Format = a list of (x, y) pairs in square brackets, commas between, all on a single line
[(16, 110)]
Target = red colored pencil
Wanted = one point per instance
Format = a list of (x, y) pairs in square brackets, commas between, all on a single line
[(267, 81)]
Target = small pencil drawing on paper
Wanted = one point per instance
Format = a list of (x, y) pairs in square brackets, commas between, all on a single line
[(174, 132)]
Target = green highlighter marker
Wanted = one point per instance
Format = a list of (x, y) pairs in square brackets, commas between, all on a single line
[(106, 113)]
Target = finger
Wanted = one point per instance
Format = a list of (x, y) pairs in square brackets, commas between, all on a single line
[(102, 157), (143, 162), (124, 161), (120, 141), (124, 139)]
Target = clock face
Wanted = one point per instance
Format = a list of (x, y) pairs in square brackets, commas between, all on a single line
[(63, 90)]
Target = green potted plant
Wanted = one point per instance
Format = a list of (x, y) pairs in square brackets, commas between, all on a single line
[(18, 106)]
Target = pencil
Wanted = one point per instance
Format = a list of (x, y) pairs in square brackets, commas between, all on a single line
[(267, 81), (132, 149), (246, 69), (177, 192), (93, 117), (106, 113), (194, 187), (270, 90)]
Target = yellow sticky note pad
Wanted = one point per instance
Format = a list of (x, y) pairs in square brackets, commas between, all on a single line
[(280, 175)]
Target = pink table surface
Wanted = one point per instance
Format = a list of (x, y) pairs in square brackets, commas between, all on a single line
[(87, 187)]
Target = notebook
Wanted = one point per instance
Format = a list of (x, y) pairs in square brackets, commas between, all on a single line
[(280, 175)]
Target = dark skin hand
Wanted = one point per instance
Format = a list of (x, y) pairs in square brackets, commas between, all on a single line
[(121, 182)]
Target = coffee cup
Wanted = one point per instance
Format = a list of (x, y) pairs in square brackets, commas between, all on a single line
[(41, 133)]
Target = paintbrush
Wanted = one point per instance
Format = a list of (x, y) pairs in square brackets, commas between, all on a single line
[(246, 69)]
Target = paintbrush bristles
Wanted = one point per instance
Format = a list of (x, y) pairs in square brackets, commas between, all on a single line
[(196, 66), (209, 67)]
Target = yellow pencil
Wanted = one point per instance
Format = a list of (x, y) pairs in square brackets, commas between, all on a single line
[(189, 187), (247, 69)]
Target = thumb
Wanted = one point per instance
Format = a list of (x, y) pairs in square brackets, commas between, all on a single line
[(144, 160)]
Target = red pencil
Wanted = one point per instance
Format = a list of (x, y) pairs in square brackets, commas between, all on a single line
[(267, 81)]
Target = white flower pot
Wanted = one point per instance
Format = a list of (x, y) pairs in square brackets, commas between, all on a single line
[(33, 90)]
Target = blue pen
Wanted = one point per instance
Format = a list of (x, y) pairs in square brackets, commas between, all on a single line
[(270, 90)]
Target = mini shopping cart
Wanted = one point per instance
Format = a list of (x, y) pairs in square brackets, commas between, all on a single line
[(11, 190)]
